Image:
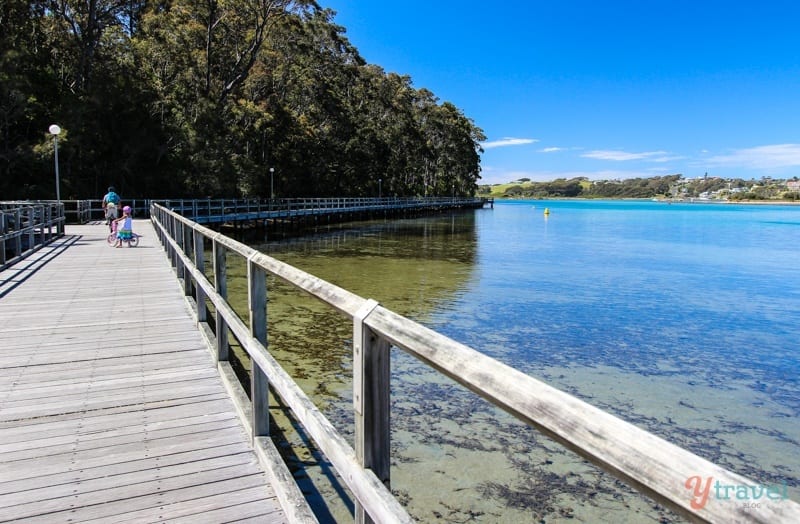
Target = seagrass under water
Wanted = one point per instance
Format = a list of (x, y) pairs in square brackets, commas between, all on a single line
[(678, 318)]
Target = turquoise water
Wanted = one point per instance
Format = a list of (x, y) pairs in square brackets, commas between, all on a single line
[(707, 290), (683, 319)]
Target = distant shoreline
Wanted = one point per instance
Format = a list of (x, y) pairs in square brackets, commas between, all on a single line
[(668, 201)]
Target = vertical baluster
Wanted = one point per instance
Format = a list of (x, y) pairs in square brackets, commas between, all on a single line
[(18, 235), (176, 262), (200, 264), (3, 232), (162, 234), (221, 286), (257, 299), (186, 242), (169, 224), (29, 228), (371, 377)]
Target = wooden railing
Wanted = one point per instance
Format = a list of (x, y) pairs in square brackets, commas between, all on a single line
[(662, 470), (92, 209), (216, 210), (219, 210), (26, 227), (77, 211)]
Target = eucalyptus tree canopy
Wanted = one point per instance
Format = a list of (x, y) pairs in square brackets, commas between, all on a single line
[(194, 98)]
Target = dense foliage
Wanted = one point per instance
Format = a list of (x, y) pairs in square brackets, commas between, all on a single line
[(583, 187), (673, 186), (168, 98)]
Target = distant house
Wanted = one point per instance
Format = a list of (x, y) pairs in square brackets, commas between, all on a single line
[(793, 185)]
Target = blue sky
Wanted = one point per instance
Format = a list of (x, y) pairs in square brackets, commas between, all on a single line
[(603, 89)]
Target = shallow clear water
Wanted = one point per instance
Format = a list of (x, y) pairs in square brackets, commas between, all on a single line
[(683, 319)]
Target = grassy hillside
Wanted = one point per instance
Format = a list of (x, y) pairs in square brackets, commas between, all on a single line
[(671, 186), (522, 188)]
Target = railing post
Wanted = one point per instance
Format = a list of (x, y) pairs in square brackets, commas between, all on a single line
[(50, 221), (186, 241), (167, 222), (170, 223), (200, 264), (178, 237), (61, 216), (221, 287), (259, 385), (371, 377), (163, 218), (43, 216), (18, 230), (3, 232), (29, 227)]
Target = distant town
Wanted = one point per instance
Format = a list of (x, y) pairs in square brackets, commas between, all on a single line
[(671, 187)]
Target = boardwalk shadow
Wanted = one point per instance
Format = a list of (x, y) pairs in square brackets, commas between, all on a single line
[(12, 277), (285, 429), (297, 465)]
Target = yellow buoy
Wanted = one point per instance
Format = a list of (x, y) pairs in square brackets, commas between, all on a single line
[(546, 211)]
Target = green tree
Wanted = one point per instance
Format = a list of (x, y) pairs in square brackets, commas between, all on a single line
[(186, 98)]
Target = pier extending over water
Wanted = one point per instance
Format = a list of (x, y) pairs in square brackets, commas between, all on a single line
[(650, 464), (282, 212), (111, 405), (67, 329), (315, 210)]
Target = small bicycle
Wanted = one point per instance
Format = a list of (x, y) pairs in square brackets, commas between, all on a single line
[(112, 238)]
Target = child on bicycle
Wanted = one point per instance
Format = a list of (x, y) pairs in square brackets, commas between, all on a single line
[(124, 227)]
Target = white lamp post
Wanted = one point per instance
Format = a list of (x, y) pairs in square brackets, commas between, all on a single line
[(55, 131), (271, 187)]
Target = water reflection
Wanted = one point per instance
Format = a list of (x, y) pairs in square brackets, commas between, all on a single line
[(617, 306), (413, 266), (409, 266)]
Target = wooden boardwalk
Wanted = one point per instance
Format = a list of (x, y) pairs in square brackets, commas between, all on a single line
[(111, 407)]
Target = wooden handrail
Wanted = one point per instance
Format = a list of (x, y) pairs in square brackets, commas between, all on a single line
[(27, 226), (85, 210), (366, 487), (648, 463), (220, 209)]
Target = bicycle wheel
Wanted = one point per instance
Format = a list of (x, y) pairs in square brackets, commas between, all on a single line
[(112, 238), (134, 241)]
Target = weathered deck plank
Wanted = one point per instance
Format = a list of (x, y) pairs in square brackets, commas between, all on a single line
[(111, 408)]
